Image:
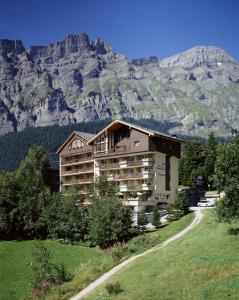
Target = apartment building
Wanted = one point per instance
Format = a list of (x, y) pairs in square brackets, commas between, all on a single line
[(142, 163)]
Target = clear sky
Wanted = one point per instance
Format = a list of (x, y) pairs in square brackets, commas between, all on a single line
[(136, 28)]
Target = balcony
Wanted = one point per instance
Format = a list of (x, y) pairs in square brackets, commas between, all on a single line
[(145, 162), (116, 149), (110, 166), (76, 161), (78, 171), (77, 181), (139, 187), (142, 175)]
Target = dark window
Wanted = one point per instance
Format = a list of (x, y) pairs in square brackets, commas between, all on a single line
[(167, 173)]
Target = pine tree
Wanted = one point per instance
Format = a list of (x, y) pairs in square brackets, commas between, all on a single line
[(142, 219), (156, 217), (211, 155)]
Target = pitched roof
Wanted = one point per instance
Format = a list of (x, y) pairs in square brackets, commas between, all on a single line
[(85, 135), (137, 127)]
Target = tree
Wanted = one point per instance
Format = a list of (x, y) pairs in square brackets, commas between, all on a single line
[(156, 217), (34, 196), (210, 159), (101, 188), (178, 208), (45, 272), (67, 217), (110, 221), (191, 163), (9, 223), (142, 218), (226, 178)]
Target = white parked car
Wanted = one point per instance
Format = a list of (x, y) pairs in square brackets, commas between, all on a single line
[(205, 203)]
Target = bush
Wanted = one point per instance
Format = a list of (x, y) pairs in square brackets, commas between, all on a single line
[(233, 231), (142, 218), (45, 272), (113, 288), (110, 221), (117, 252), (178, 208), (67, 218)]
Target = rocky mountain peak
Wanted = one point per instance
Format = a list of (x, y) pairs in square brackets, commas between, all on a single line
[(145, 61), (198, 55), (72, 43), (11, 46), (80, 79)]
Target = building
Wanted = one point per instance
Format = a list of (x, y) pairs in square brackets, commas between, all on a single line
[(143, 163)]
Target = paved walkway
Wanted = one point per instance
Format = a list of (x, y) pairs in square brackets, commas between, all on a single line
[(106, 276)]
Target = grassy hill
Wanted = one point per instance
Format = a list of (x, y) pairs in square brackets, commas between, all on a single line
[(85, 263), (204, 264), (16, 276)]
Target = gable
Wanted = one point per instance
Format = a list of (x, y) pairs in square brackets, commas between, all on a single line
[(73, 145)]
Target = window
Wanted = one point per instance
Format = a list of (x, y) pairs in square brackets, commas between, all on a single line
[(79, 144), (167, 173), (136, 143)]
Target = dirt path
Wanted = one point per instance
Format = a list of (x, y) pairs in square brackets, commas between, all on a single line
[(106, 276)]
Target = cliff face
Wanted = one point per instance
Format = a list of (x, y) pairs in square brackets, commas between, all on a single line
[(78, 79)]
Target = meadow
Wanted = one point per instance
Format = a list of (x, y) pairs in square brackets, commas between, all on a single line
[(204, 264), (85, 263)]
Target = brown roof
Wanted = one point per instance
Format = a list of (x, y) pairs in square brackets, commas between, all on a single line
[(85, 135), (146, 130)]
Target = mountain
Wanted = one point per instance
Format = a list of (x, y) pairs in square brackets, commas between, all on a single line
[(78, 79)]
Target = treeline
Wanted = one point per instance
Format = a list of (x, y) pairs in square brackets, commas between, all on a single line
[(14, 146), (214, 166), (197, 164), (28, 209)]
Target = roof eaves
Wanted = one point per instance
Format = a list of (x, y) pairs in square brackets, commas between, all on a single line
[(81, 134)]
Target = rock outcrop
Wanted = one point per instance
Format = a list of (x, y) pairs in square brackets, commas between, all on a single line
[(78, 79)]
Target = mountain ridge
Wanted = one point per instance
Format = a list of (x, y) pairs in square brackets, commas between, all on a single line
[(79, 79)]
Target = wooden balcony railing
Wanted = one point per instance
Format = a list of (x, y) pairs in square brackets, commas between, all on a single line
[(78, 171), (130, 175), (77, 181), (133, 163), (109, 166), (76, 160)]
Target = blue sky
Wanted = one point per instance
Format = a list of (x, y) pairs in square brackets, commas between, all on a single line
[(136, 28)]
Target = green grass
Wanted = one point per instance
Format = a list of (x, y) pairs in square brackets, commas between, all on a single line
[(204, 264), (16, 275), (91, 270), (86, 264)]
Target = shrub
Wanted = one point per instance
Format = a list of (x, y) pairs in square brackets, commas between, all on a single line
[(118, 252), (45, 272), (113, 287), (142, 219), (233, 231), (156, 217), (110, 221), (178, 208)]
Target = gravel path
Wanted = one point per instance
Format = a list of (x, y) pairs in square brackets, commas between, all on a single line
[(106, 276)]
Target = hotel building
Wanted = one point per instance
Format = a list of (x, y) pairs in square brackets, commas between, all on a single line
[(142, 163)]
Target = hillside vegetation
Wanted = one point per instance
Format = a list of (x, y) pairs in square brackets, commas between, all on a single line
[(203, 264), (85, 263), (14, 146)]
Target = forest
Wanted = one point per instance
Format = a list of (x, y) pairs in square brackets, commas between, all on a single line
[(15, 145)]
